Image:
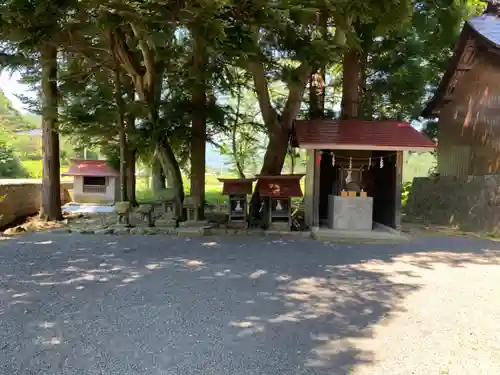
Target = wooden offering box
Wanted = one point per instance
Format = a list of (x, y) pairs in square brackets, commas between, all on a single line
[(237, 190), (277, 192)]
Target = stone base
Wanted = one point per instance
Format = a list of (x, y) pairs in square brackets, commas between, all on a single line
[(166, 223), (194, 224), (191, 231), (280, 227), (378, 235), (236, 224), (350, 213)]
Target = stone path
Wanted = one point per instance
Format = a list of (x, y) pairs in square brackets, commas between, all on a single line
[(77, 304)]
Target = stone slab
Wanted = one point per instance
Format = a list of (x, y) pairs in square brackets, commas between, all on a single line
[(350, 213), (378, 235)]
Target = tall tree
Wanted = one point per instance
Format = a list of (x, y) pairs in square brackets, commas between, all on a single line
[(120, 111), (35, 29), (51, 183), (364, 20), (198, 123)]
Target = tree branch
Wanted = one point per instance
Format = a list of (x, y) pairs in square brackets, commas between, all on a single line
[(262, 89), (125, 55), (147, 55), (9, 61), (296, 90)]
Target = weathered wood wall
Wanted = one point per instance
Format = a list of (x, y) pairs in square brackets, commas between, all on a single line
[(469, 124)]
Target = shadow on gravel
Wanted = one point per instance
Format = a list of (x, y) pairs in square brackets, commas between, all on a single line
[(234, 305)]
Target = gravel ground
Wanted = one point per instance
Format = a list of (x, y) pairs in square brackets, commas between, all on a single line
[(76, 304)]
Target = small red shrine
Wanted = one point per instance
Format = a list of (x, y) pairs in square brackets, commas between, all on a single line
[(278, 192), (237, 190), (94, 181)]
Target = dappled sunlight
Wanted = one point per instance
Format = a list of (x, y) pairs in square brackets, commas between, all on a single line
[(330, 309), (409, 262), (193, 263), (210, 244), (248, 328), (326, 302), (257, 274)]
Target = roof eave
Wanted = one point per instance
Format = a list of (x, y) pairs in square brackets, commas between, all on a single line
[(434, 104), (334, 146)]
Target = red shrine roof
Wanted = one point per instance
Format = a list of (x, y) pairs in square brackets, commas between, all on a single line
[(237, 185), (98, 168), (359, 135), (281, 186)]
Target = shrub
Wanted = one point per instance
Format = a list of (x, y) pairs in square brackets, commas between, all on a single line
[(10, 166), (405, 192)]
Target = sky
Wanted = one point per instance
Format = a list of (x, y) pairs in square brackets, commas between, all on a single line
[(11, 87)]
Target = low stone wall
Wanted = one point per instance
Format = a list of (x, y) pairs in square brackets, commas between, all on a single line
[(21, 198), (471, 204)]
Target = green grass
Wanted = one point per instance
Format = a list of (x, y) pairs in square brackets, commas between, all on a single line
[(35, 167), (213, 189)]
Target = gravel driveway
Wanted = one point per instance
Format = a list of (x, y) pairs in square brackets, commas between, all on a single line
[(76, 304)]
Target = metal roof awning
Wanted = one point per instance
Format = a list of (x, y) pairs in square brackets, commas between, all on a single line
[(359, 135)]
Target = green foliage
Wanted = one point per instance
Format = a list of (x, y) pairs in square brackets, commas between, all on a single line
[(10, 119), (33, 168), (418, 164), (244, 140), (404, 66), (431, 130), (405, 193), (10, 166)]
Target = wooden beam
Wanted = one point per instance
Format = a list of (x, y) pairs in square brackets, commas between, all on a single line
[(399, 189), (464, 67), (316, 189)]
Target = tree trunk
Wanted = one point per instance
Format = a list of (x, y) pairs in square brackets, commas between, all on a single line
[(274, 158), (317, 95), (120, 113), (166, 157), (278, 126), (236, 154), (131, 146), (158, 177), (351, 80), (171, 169), (131, 183), (292, 161), (276, 151), (198, 128), (234, 144), (317, 79), (50, 208)]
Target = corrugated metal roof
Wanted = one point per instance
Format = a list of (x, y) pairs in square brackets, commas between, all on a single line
[(98, 168), (359, 134), (488, 25)]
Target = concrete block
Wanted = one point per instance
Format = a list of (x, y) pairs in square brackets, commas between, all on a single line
[(350, 213)]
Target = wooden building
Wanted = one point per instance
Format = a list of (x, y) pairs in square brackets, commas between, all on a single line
[(467, 101), (354, 170)]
